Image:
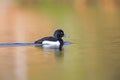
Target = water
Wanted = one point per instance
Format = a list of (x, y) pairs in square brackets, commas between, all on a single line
[(93, 53)]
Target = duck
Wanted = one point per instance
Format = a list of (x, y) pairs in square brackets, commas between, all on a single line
[(54, 41)]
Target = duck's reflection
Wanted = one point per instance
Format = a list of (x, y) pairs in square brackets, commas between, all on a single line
[(57, 52)]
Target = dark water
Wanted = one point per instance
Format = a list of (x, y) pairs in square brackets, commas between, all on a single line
[(93, 55)]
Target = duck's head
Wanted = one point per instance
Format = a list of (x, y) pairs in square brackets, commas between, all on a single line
[(59, 33)]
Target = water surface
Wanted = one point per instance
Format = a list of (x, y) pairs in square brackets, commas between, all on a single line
[(94, 54)]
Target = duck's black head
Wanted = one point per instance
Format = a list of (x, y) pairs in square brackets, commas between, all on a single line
[(59, 33)]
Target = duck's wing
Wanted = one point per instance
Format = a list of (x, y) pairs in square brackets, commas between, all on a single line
[(45, 38)]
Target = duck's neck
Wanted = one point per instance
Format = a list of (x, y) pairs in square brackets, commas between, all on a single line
[(58, 38)]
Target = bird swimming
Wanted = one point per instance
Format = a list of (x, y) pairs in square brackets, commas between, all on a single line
[(54, 41)]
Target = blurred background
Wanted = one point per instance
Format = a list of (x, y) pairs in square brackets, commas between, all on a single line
[(92, 25)]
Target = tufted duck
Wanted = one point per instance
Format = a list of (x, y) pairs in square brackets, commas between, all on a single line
[(55, 41)]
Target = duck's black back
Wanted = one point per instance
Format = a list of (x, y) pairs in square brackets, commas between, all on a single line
[(47, 39)]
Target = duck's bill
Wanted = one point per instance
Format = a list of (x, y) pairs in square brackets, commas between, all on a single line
[(65, 36)]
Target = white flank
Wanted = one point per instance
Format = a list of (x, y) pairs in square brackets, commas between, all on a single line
[(51, 44)]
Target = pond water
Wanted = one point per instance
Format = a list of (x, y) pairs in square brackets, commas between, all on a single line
[(94, 54)]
